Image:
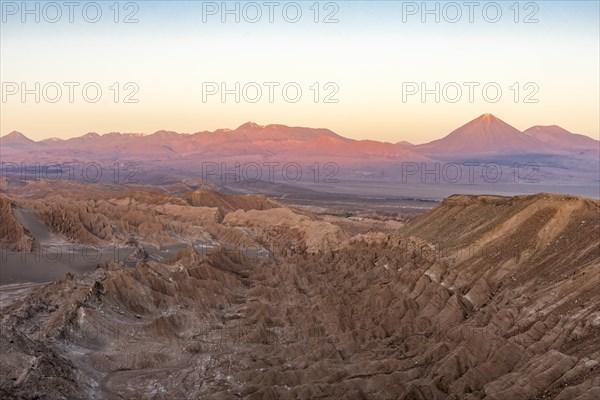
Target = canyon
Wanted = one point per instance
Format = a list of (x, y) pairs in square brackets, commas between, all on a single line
[(225, 296)]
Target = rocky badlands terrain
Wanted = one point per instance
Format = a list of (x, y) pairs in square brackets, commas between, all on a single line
[(205, 295)]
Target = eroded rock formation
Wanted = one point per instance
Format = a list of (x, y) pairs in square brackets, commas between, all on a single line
[(481, 298)]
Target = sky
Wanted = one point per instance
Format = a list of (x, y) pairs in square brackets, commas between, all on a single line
[(388, 70)]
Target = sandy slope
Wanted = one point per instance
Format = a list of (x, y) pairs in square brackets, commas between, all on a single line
[(482, 297)]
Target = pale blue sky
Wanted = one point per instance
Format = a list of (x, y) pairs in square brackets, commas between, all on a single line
[(368, 54)]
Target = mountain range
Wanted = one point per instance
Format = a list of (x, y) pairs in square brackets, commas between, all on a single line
[(485, 135), (238, 159)]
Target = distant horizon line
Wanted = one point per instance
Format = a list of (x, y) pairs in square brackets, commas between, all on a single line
[(254, 124)]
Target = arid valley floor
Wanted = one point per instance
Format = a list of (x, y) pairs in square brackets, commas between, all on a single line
[(196, 294)]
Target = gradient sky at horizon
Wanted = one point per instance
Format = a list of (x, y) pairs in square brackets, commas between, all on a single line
[(368, 54)]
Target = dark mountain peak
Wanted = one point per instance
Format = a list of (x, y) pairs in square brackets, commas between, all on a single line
[(15, 136), (561, 138), (555, 129), (249, 125), (164, 133), (488, 117), (484, 134)]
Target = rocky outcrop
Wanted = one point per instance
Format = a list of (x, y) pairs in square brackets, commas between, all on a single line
[(227, 203), (13, 236), (481, 298)]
